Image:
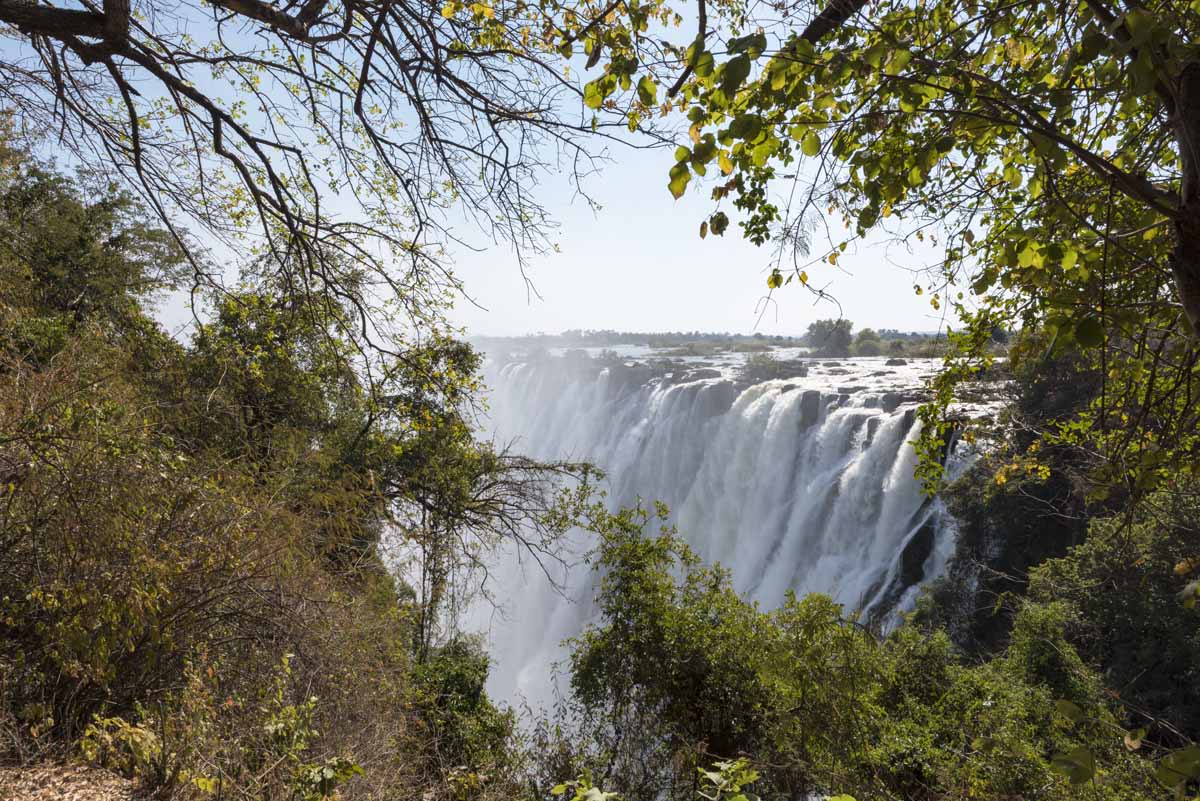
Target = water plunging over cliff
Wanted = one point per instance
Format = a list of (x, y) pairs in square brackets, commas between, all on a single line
[(804, 483)]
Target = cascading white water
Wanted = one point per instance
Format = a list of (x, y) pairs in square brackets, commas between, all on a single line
[(803, 484)]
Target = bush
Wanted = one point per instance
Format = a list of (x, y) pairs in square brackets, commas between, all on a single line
[(1123, 588), (871, 347), (867, 343), (192, 582), (680, 672)]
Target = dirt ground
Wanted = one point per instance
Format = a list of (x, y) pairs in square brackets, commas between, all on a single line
[(63, 783)]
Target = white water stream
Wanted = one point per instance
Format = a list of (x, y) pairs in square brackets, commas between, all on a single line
[(801, 484)]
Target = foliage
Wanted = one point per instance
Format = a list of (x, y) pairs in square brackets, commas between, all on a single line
[(469, 736), (1003, 531), (1140, 627), (681, 672), (666, 636), (1036, 156), (196, 539), (196, 582), (326, 136), (726, 780), (582, 789), (829, 337), (114, 743), (867, 343)]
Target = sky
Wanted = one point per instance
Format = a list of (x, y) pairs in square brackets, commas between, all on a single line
[(640, 265)]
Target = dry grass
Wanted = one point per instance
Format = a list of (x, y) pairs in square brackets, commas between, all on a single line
[(63, 782)]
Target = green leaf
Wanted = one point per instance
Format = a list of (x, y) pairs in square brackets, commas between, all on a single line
[(1093, 44), (1013, 176), (746, 126), (735, 74), (1028, 255), (1140, 25), (594, 48), (647, 90), (752, 45), (762, 152), (718, 223), (775, 280), (811, 143), (680, 175), (1078, 765), (1068, 710), (1179, 767), (593, 95), (874, 54), (1089, 332), (898, 62), (868, 217)]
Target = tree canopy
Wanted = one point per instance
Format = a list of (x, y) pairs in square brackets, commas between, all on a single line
[(336, 141), (1024, 137), (829, 337), (223, 516), (1044, 153)]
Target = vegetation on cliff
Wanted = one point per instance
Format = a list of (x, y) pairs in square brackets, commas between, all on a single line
[(202, 541)]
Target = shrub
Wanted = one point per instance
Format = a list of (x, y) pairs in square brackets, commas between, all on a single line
[(681, 672)]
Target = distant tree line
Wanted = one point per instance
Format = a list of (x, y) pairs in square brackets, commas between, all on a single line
[(836, 339)]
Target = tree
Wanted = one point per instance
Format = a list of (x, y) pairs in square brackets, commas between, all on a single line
[(1046, 151), (321, 134), (935, 110), (867, 343), (80, 253), (829, 337), (203, 523), (677, 671)]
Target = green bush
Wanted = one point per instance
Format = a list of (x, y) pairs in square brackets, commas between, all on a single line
[(1123, 588), (681, 672), (193, 586)]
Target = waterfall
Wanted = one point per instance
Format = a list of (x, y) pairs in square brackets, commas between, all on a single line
[(803, 484)]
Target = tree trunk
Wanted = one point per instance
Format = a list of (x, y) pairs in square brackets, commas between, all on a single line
[(1185, 264), (1185, 261)]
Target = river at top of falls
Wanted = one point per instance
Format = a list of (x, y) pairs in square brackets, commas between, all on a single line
[(802, 484)]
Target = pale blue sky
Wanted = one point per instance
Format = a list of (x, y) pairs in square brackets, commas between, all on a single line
[(640, 265)]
